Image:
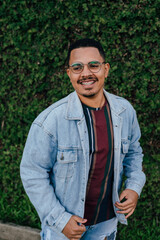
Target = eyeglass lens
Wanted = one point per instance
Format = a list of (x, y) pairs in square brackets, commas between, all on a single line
[(93, 67)]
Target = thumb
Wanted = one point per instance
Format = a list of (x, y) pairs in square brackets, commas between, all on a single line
[(122, 195), (79, 219)]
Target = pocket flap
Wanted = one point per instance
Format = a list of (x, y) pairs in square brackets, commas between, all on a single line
[(125, 146), (66, 156)]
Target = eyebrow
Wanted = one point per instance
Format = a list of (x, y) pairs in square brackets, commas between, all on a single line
[(94, 61)]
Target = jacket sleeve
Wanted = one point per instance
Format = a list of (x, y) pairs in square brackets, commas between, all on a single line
[(37, 162), (132, 162)]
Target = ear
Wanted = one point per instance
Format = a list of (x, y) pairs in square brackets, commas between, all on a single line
[(68, 72), (107, 67)]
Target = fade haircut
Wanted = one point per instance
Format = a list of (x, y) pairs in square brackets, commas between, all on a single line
[(86, 42)]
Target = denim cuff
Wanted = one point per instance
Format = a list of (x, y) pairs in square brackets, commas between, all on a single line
[(62, 221), (135, 187)]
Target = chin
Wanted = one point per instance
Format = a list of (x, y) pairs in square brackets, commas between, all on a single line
[(89, 95)]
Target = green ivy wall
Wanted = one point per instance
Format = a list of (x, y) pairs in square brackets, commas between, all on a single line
[(34, 38)]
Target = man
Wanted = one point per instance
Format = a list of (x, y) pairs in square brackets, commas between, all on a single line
[(77, 151)]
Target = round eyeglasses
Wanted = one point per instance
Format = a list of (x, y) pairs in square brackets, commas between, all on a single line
[(93, 66)]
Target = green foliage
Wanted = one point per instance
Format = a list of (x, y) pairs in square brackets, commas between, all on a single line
[(145, 221), (34, 39)]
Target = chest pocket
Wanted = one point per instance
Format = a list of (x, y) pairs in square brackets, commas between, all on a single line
[(65, 165)]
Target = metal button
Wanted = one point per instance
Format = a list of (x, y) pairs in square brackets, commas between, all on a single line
[(62, 157)]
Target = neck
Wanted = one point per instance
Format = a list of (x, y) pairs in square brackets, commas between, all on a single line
[(94, 101)]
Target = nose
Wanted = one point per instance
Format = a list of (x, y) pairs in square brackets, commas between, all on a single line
[(86, 71)]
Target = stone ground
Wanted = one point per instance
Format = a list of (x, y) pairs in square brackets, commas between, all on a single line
[(9, 231)]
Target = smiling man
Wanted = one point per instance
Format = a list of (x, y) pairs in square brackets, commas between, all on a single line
[(77, 151), (87, 72)]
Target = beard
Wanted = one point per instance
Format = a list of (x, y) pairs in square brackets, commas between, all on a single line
[(89, 95), (83, 79)]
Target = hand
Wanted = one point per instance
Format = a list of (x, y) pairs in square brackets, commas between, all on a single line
[(129, 205), (74, 228)]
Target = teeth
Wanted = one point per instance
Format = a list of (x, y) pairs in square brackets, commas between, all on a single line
[(87, 83)]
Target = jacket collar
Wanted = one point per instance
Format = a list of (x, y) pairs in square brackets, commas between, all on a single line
[(74, 109), (115, 103)]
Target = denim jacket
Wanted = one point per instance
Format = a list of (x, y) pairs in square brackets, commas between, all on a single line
[(55, 163)]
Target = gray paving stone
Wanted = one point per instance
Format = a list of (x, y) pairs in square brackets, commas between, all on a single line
[(9, 231)]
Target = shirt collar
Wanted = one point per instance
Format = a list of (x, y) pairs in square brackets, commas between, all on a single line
[(74, 109)]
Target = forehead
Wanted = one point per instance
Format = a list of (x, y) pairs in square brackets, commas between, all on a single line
[(85, 55)]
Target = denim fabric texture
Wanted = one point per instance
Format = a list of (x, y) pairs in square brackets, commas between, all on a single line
[(100, 231), (55, 163)]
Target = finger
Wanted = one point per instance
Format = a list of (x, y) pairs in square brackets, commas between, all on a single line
[(76, 237), (122, 196), (79, 219), (124, 204), (125, 210), (128, 201), (83, 228), (79, 229), (122, 200), (129, 214), (81, 225), (121, 207)]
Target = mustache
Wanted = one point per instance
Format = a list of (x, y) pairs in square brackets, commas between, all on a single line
[(86, 78)]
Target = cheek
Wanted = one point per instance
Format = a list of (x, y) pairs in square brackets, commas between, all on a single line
[(74, 78), (101, 78), (73, 82)]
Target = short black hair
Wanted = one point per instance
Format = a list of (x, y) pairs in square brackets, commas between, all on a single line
[(86, 42)]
